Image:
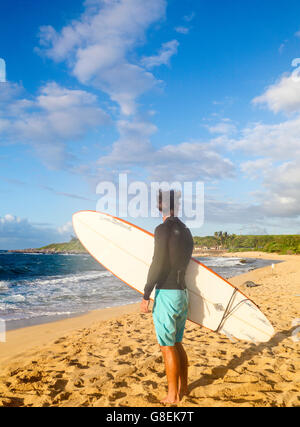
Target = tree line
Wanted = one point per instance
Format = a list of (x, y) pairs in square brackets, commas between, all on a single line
[(284, 244)]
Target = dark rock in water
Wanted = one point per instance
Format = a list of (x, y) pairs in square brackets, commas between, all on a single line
[(243, 261), (250, 284)]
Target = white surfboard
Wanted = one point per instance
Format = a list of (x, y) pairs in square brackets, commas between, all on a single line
[(127, 250)]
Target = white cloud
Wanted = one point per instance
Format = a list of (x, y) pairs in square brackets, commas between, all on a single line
[(97, 45), (223, 127), (133, 148), (282, 46), (283, 96), (125, 83), (106, 24), (282, 197), (182, 30), (8, 219), (190, 161), (280, 141), (61, 113), (278, 170), (190, 17), (20, 233), (9, 92), (54, 98), (275, 151), (163, 58), (258, 168), (55, 116), (66, 229), (185, 29), (186, 161), (231, 212)]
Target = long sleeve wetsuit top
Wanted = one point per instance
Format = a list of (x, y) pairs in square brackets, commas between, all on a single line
[(173, 247)]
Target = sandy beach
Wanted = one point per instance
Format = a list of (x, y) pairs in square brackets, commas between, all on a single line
[(111, 358)]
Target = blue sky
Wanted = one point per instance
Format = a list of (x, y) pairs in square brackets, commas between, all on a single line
[(162, 90)]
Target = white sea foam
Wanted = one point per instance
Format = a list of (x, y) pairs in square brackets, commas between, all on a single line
[(62, 295), (32, 315), (3, 285), (70, 278), (15, 298), (223, 262)]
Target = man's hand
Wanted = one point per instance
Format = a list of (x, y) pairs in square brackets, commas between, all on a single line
[(145, 306)]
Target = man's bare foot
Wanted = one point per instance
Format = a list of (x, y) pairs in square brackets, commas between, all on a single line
[(170, 400)]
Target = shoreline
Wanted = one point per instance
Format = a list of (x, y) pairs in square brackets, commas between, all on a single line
[(110, 357), (28, 337), (197, 252), (45, 251), (246, 254), (12, 325)]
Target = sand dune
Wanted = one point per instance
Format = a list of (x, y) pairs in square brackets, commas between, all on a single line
[(114, 360)]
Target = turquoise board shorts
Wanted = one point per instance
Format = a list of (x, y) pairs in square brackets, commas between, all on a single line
[(169, 315)]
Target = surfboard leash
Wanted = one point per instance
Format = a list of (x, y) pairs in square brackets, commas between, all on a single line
[(228, 311)]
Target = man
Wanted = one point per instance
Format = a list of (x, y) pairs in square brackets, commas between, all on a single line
[(173, 247)]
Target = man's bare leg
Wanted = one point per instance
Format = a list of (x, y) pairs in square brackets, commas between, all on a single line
[(172, 364), (183, 373)]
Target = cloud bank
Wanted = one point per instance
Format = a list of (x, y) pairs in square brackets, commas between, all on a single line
[(16, 233)]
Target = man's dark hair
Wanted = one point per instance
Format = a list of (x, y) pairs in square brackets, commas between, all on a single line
[(168, 202)]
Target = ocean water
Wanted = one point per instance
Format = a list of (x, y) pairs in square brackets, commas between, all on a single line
[(37, 288)]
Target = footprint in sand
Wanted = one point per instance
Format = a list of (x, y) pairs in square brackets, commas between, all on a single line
[(120, 384), (117, 395), (79, 383), (75, 362), (60, 340), (12, 402), (150, 383), (58, 392), (124, 350)]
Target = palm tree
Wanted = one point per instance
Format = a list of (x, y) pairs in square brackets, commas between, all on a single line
[(221, 237), (225, 235)]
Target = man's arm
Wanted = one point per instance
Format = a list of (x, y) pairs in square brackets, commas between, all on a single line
[(159, 256)]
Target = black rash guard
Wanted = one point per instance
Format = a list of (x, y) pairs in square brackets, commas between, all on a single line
[(173, 247)]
